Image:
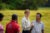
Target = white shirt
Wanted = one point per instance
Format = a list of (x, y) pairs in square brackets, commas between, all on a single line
[(25, 24), (37, 27)]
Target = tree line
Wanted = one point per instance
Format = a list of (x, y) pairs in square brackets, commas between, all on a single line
[(23, 4)]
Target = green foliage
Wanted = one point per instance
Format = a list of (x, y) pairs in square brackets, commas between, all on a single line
[(21, 4)]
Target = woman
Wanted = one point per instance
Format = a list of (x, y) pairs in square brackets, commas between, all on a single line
[(26, 22)]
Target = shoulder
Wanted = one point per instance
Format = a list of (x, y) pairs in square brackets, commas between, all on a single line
[(42, 23), (17, 25), (23, 18), (1, 26), (33, 21)]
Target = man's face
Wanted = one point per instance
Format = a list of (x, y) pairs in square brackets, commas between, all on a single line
[(38, 17)]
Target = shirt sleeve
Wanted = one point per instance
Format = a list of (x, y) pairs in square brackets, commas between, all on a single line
[(17, 29), (42, 26), (23, 23)]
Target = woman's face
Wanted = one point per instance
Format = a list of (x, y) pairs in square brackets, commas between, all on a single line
[(28, 12)]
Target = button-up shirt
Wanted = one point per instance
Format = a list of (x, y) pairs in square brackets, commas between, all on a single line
[(25, 24), (38, 27)]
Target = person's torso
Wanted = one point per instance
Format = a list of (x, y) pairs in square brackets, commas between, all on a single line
[(37, 27), (11, 27), (27, 23)]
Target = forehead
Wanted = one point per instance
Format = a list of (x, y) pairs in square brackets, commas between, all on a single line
[(27, 11), (38, 15)]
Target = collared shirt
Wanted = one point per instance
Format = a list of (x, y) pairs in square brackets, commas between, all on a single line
[(12, 27), (1, 29), (38, 27), (25, 24)]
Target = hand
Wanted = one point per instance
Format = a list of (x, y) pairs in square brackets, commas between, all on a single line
[(32, 25)]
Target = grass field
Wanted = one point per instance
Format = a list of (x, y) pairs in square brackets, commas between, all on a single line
[(20, 13)]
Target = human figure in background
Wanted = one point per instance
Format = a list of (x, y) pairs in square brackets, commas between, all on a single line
[(26, 22), (1, 26), (37, 25), (13, 26)]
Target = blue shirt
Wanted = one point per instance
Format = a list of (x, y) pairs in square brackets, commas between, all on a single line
[(38, 27)]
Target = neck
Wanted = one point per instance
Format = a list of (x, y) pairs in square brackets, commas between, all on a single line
[(26, 17), (38, 20), (15, 21)]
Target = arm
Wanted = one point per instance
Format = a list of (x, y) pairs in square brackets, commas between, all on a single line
[(42, 31), (17, 29), (24, 23), (42, 28), (32, 26)]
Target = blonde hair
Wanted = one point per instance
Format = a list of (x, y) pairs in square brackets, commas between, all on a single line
[(26, 11)]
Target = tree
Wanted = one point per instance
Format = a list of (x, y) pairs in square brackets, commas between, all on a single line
[(22, 4)]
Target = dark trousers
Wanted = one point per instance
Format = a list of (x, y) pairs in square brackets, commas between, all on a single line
[(26, 31)]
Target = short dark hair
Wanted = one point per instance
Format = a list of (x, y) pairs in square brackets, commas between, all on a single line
[(1, 15), (39, 14), (14, 17)]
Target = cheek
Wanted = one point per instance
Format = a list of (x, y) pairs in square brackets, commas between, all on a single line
[(28, 13)]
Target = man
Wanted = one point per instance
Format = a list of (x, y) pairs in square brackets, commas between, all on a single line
[(13, 26), (1, 27), (37, 25), (26, 22)]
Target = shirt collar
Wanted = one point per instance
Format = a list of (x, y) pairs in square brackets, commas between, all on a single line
[(38, 23), (13, 21), (25, 18)]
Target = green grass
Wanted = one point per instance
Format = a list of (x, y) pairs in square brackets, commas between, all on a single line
[(20, 13)]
